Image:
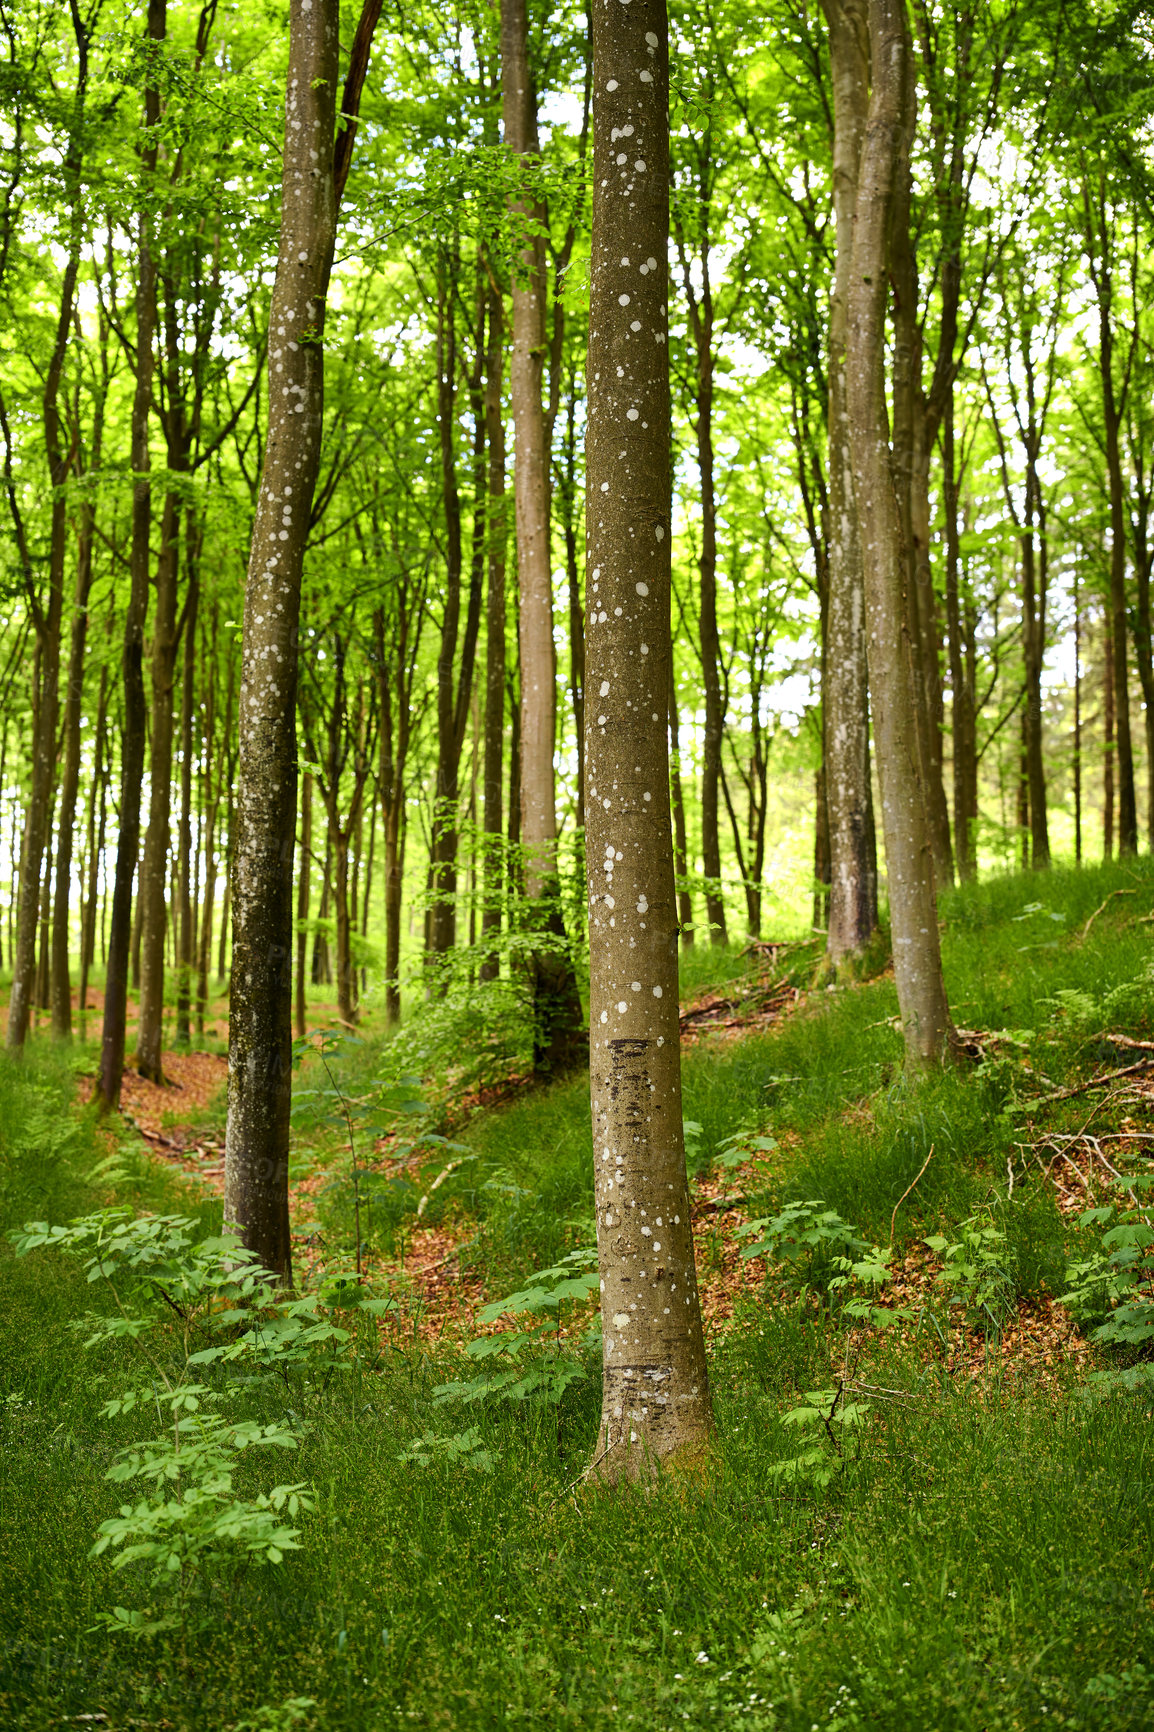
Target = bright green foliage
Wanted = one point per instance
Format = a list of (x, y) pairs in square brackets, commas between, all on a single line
[(1114, 1286), (978, 1271), (532, 1361)]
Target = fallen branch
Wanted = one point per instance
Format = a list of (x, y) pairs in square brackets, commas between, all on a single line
[(439, 1180), (1129, 1042), (1096, 1082), (906, 1192), (1082, 935)]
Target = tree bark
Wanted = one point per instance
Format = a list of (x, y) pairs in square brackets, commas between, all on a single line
[(494, 633), (655, 1402), (260, 1011), (135, 727), (845, 697), (556, 1000), (185, 910), (61, 985), (154, 863), (302, 937), (47, 616), (892, 653), (677, 799), (964, 720)]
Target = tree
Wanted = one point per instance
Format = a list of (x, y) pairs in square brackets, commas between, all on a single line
[(845, 685), (655, 1402), (557, 1003), (893, 655), (260, 1025)]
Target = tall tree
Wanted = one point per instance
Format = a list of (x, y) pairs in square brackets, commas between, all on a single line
[(845, 685), (260, 1021), (135, 723), (655, 1400), (557, 1003), (893, 654)]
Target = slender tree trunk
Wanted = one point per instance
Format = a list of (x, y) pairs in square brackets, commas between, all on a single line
[(43, 966), (655, 1390), (845, 695), (61, 989), (680, 841), (1077, 723), (94, 850), (135, 725), (154, 864), (1111, 427), (443, 851), (556, 1000), (47, 619), (929, 651), (260, 1009), (303, 886), (964, 721), (186, 955), (892, 653), (1109, 716), (702, 322), (1033, 645), (494, 637)]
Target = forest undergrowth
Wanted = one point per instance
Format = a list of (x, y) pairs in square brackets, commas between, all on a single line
[(928, 1505)]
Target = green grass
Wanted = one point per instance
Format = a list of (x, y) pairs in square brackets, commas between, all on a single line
[(982, 1563)]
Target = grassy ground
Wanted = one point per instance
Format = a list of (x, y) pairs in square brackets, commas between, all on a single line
[(980, 1560)]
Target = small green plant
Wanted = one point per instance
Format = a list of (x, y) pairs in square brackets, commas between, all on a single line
[(531, 1362), (736, 1150), (812, 1243), (816, 1417), (463, 1446), (1115, 1285), (185, 1303), (977, 1272)]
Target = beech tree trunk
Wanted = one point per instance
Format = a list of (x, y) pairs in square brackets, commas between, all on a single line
[(154, 864), (556, 1000), (260, 1011), (964, 720), (845, 694), (135, 726), (656, 1404), (493, 867), (303, 886), (61, 983), (47, 612), (892, 653)]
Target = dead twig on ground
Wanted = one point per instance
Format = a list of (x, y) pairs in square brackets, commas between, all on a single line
[(906, 1192), (1081, 938)]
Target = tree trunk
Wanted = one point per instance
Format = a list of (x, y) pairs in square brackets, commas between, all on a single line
[(494, 639), (185, 910), (47, 618), (135, 724), (964, 721), (303, 886), (655, 1400), (95, 850), (556, 1000), (260, 1009), (889, 615), (61, 988), (845, 695), (154, 864), (680, 840), (1109, 716), (1102, 274)]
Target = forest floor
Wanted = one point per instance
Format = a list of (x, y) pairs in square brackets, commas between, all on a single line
[(972, 1551)]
